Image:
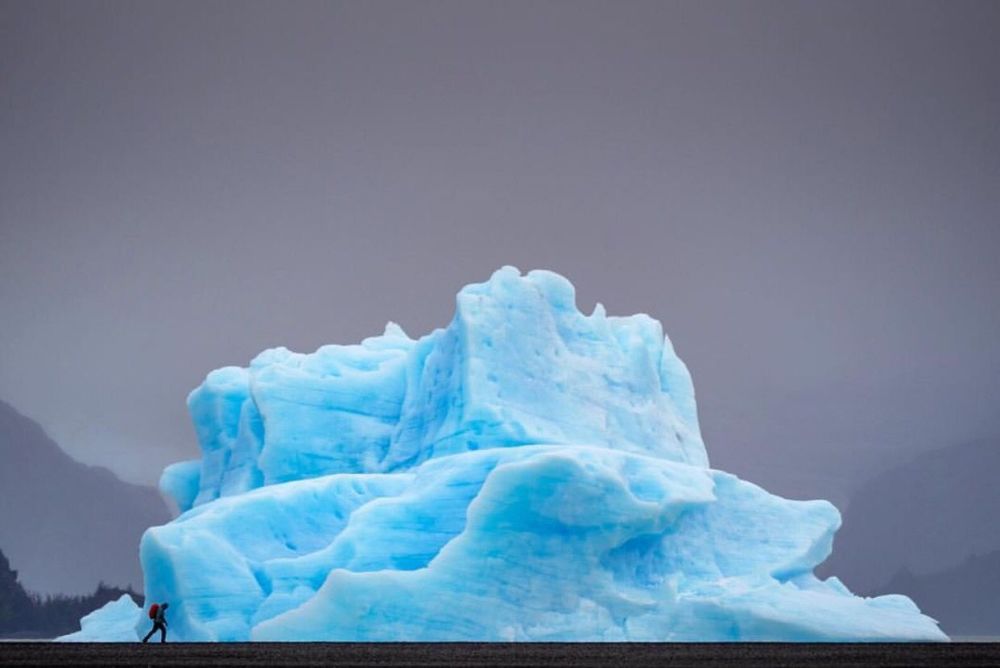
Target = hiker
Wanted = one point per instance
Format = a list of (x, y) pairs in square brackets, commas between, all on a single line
[(158, 613)]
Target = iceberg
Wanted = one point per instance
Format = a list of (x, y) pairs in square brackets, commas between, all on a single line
[(527, 473), (115, 622)]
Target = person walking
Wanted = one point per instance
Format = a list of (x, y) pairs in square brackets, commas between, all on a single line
[(158, 613)]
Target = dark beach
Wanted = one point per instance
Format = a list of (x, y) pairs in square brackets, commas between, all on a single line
[(500, 654)]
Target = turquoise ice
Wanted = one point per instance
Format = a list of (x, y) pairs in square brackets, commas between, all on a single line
[(526, 473)]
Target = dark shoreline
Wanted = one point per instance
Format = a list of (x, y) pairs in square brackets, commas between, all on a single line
[(627, 655)]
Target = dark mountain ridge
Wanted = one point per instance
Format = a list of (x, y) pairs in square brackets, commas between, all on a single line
[(66, 526), (928, 529), (926, 516), (24, 615), (965, 599)]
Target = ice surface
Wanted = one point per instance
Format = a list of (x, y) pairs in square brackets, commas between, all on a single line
[(115, 622), (527, 473)]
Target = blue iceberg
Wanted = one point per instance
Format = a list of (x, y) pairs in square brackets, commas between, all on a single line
[(114, 622), (528, 473)]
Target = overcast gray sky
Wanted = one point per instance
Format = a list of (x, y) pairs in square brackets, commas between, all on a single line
[(805, 194)]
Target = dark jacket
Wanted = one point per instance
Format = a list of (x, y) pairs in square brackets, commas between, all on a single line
[(161, 617)]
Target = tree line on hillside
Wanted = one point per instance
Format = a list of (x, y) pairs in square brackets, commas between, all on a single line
[(27, 615)]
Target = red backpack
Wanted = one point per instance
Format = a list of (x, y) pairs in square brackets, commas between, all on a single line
[(153, 609)]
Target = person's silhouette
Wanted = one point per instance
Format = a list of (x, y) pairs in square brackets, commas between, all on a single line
[(159, 622)]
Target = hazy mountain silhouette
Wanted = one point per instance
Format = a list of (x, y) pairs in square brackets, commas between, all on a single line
[(926, 516), (24, 615), (66, 526), (965, 599)]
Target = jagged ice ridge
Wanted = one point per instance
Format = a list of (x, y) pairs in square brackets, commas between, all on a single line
[(526, 473)]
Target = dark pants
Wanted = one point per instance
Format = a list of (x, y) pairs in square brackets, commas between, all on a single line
[(163, 631)]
